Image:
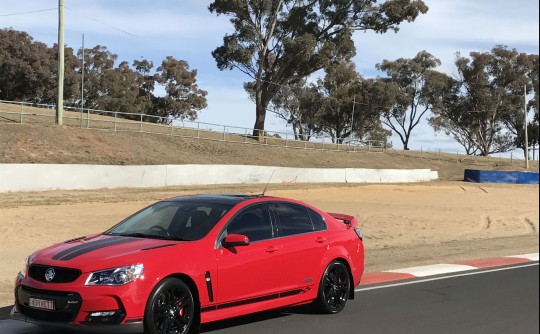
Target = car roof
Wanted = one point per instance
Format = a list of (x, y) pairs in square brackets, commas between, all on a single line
[(231, 199)]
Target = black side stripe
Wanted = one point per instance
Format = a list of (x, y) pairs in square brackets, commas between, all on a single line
[(252, 300), (73, 252)]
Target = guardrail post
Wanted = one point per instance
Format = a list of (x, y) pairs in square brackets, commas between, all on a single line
[(172, 128), (115, 121), (198, 130), (224, 130), (140, 129), (22, 112)]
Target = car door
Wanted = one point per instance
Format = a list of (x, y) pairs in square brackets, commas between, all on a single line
[(303, 238), (247, 273)]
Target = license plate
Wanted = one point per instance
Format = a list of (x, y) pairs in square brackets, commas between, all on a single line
[(44, 304)]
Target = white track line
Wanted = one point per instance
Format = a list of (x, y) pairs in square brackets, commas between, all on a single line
[(445, 277)]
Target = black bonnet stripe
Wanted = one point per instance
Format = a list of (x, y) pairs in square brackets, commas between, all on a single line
[(73, 252), (80, 246)]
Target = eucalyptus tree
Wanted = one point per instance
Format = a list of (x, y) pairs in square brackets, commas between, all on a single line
[(98, 61), (183, 97), (297, 103), (278, 41), (28, 69), (484, 108), (416, 81)]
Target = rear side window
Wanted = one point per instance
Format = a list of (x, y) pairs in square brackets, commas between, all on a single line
[(293, 219), (319, 224)]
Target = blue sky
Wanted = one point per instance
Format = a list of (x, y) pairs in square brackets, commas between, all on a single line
[(186, 30)]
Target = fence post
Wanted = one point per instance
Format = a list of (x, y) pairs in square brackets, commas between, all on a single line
[(224, 130), (172, 128), (115, 121), (140, 129), (198, 130)]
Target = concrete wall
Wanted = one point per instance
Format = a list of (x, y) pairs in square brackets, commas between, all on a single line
[(29, 177)]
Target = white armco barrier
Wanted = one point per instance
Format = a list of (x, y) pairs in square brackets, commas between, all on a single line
[(31, 177)]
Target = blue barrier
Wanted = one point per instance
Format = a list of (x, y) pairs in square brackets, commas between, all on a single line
[(496, 176)]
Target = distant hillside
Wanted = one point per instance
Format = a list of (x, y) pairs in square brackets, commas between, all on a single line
[(42, 143)]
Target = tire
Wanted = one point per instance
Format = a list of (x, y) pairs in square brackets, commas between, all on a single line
[(170, 309), (334, 288)]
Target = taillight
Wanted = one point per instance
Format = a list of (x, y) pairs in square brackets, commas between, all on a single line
[(359, 233)]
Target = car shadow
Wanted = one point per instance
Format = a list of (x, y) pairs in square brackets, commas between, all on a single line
[(256, 317), (4, 312)]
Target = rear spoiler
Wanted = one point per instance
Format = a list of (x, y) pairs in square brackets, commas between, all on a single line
[(348, 220)]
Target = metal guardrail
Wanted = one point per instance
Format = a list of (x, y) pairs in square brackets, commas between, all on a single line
[(23, 112)]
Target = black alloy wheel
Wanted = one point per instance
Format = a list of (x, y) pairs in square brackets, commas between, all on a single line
[(170, 308), (334, 288)]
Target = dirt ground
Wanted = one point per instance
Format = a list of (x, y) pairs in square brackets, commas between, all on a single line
[(404, 225)]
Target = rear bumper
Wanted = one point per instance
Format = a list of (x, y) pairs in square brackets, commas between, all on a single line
[(134, 327)]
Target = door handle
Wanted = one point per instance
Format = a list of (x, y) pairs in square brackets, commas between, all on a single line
[(320, 240), (271, 249)]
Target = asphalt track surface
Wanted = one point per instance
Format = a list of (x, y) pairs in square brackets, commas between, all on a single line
[(495, 300)]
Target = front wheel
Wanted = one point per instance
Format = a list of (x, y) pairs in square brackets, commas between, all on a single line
[(170, 308), (334, 288)]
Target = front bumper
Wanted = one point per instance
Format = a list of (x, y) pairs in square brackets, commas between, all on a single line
[(75, 304), (134, 327)]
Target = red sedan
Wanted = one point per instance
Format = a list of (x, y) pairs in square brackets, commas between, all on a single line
[(190, 260)]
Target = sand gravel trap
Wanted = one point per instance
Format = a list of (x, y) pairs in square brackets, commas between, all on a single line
[(404, 225)]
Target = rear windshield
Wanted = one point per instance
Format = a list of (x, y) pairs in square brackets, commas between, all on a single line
[(174, 220)]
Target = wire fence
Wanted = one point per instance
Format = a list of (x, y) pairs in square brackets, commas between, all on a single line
[(28, 113), (25, 113)]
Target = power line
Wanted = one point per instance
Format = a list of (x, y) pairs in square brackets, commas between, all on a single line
[(30, 12), (109, 25)]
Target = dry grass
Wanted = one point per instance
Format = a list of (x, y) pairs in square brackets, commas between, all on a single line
[(102, 139)]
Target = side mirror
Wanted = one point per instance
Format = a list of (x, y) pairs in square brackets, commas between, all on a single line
[(235, 240)]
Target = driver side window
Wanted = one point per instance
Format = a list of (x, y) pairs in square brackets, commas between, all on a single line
[(253, 222)]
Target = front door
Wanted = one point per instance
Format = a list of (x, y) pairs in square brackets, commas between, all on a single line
[(248, 273)]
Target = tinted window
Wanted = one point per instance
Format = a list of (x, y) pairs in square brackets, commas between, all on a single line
[(172, 220), (319, 224), (293, 219), (253, 222)]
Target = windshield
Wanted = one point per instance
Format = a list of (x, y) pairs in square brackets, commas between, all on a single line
[(172, 220)]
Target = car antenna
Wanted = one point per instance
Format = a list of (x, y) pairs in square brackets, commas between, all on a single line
[(264, 191)]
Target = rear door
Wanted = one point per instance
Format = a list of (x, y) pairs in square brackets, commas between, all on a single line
[(247, 273), (303, 238)]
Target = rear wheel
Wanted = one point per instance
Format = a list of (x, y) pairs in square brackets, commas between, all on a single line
[(170, 308), (334, 288)]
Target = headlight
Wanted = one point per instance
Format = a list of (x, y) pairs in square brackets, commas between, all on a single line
[(116, 276), (24, 269)]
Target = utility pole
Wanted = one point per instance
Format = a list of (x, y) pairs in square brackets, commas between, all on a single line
[(60, 94), (526, 136), (82, 81), (352, 121)]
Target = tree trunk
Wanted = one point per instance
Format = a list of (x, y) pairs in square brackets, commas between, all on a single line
[(260, 116)]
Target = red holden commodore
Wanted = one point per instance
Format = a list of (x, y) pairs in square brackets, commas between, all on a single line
[(190, 260)]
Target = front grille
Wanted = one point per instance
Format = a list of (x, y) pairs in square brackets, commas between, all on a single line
[(61, 275), (67, 304)]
